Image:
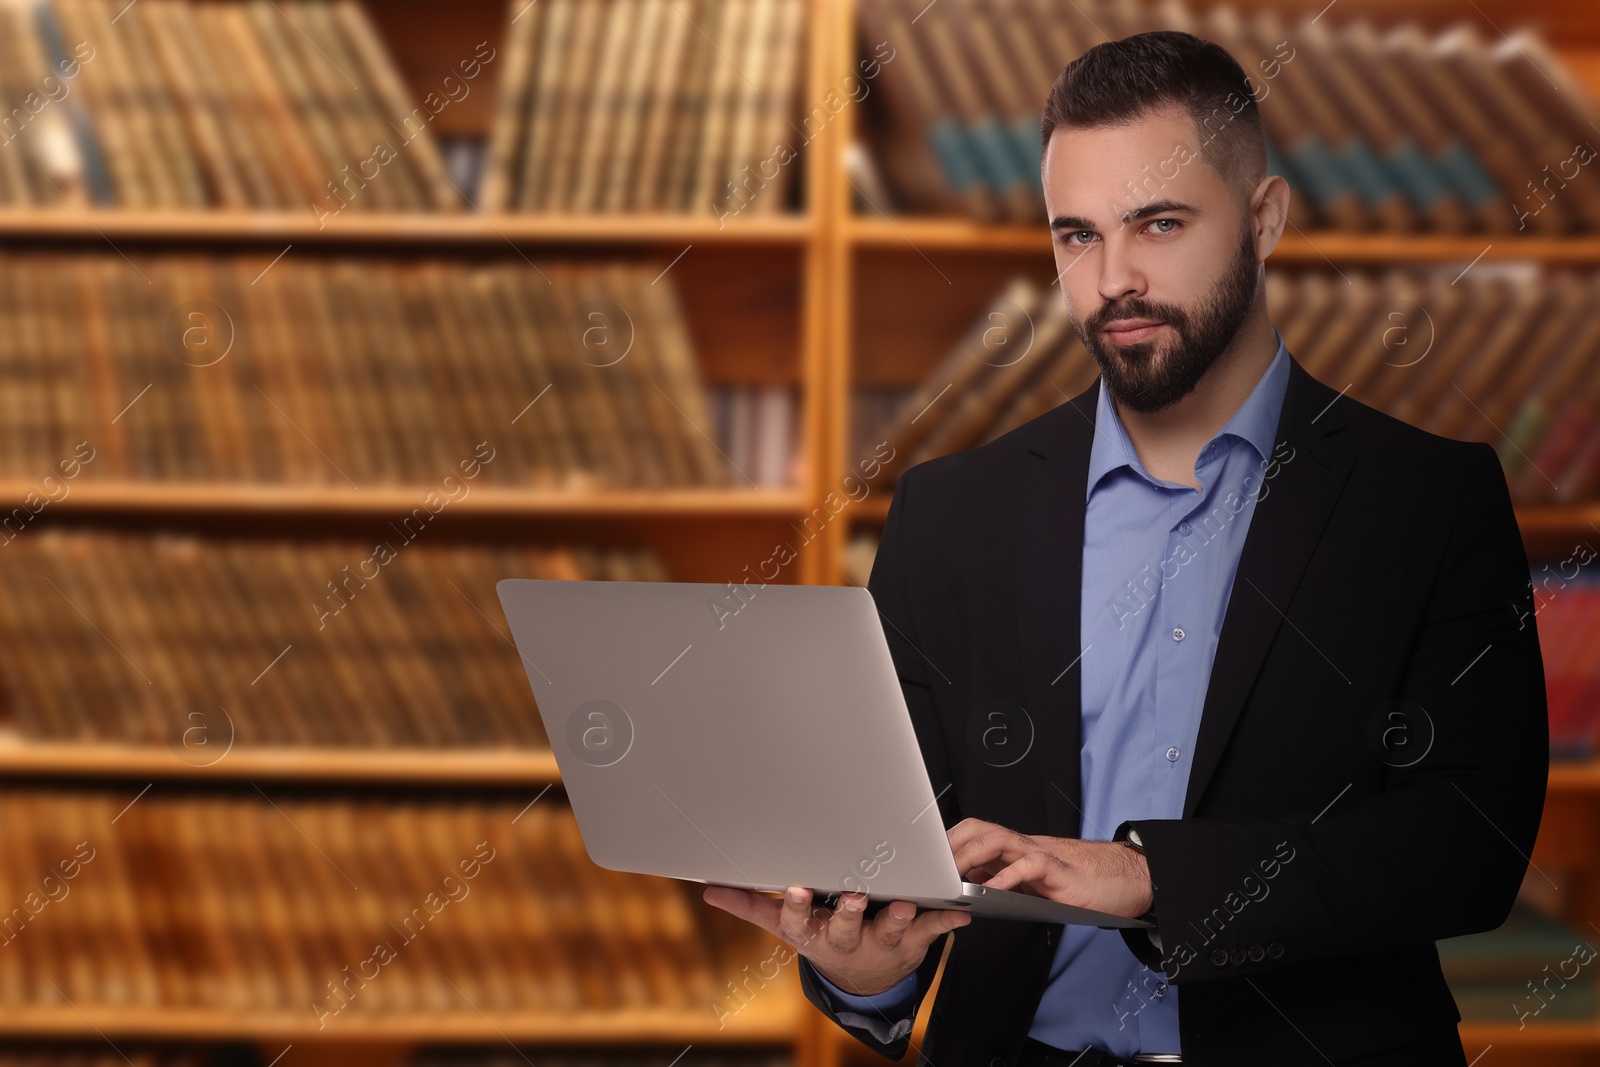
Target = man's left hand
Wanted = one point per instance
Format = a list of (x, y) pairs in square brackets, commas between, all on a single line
[(1100, 875)]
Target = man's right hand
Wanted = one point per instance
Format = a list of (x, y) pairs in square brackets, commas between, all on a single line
[(861, 958)]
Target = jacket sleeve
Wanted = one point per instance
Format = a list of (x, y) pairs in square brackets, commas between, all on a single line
[(1442, 847), (890, 1001), (885, 1025)]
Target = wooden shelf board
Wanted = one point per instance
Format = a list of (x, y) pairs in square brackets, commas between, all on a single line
[(775, 1021), (388, 501), (496, 766), (1553, 531), (1575, 776), (921, 233), (468, 227), (1550, 1035), (433, 766)]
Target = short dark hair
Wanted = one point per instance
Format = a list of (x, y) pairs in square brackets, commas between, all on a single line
[(1119, 82)]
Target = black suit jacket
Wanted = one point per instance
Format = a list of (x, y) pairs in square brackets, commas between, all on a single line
[(1318, 857)]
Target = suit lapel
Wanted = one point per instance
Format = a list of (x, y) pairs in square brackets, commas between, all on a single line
[(1047, 497), (1047, 522), (1288, 521)]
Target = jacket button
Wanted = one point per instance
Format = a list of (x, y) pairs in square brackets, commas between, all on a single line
[(1219, 957), (1275, 950), (1257, 953), (1239, 956)]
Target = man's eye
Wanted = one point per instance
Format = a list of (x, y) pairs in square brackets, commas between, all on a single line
[(1173, 222), (1071, 238)]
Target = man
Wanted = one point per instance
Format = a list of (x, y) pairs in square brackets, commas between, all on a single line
[(1221, 610)]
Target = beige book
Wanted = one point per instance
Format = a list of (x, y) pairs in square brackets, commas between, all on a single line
[(633, 105), (373, 167), (577, 75), (641, 190), (598, 128), (736, 180), (304, 85), (691, 116), (220, 122), (513, 90), (174, 156), (392, 102), (246, 115), (215, 171), (772, 128), (728, 83), (555, 54)]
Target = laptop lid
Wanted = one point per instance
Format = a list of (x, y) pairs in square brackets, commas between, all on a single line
[(758, 740)]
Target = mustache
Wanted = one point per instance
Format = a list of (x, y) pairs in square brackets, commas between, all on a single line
[(1135, 312)]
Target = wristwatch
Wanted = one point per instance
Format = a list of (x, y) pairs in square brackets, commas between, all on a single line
[(1131, 840)]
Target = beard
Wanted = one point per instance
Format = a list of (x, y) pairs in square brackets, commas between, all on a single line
[(1148, 378)]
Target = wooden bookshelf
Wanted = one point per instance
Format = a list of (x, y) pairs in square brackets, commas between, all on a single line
[(415, 229), (826, 257), (754, 294)]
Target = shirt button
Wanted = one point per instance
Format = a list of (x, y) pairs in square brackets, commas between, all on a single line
[(1185, 529), (1177, 633), (1172, 755)]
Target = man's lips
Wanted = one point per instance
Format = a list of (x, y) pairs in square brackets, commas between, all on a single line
[(1132, 331)]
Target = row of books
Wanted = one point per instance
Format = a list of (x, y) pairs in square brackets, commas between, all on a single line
[(348, 372), (1391, 130), (200, 643), (254, 901), (1566, 609), (760, 428), (1501, 353), (286, 104), (601, 105), (65, 1054), (648, 106)]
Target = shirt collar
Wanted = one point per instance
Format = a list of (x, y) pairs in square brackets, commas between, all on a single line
[(1256, 421)]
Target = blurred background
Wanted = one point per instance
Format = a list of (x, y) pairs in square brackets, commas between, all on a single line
[(318, 318)]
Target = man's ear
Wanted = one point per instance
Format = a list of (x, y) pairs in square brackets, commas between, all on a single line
[(1269, 212)]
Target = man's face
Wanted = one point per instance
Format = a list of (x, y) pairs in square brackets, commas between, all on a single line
[(1184, 259)]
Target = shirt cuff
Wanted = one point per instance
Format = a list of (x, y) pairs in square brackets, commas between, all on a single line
[(890, 1002)]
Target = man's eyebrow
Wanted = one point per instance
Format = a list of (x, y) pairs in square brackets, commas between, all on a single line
[(1155, 207)]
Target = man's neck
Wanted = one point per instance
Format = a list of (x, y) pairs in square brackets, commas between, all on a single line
[(1169, 441)]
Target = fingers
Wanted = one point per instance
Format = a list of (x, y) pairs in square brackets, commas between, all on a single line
[(930, 926), (801, 919), (751, 907), (844, 929), (978, 845), (892, 922), (1034, 873)]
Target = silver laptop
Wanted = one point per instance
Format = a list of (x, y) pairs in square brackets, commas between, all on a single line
[(757, 740)]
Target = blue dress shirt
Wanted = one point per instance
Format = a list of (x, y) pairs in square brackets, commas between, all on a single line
[(1159, 559)]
